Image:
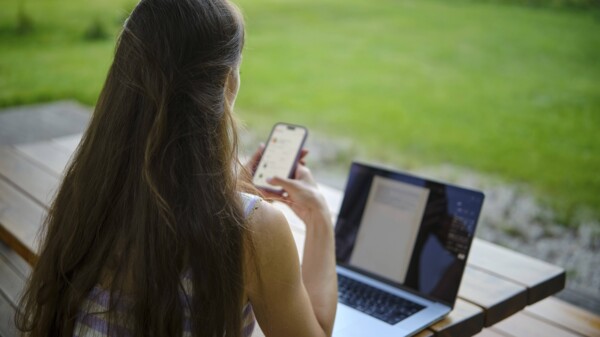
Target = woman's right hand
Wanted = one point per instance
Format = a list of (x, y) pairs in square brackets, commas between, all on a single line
[(302, 195)]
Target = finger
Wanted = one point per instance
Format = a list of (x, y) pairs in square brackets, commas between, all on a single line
[(288, 185), (270, 195), (303, 154), (303, 173), (255, 159)]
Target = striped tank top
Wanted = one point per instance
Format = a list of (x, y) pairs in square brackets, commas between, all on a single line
[(92, 318)]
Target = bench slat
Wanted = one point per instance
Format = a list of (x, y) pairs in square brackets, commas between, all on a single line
[(20, 220), (48, 154), (15, 260), (425, 333), (11, 283), (521, 325), (69, 143), (34, 180), (489, 333), (566, 315), (498, 297), (464, 320), (541, 279), (7, 313)]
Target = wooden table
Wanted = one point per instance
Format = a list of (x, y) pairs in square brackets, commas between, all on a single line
[(497, 282)]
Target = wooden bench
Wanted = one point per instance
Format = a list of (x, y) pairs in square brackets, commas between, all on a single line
[(498, 283)]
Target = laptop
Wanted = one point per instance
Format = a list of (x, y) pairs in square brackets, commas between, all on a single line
[(402, 244)]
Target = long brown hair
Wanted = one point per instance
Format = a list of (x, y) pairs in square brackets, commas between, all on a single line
[(151, 192)]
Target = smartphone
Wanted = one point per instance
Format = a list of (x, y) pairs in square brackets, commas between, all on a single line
[(280, 156)]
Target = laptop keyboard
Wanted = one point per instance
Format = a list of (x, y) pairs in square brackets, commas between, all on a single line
[(375, 302)]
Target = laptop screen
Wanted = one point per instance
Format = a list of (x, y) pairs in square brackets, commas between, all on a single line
[(407, 230)]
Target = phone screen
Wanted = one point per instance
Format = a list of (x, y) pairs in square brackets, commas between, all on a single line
[(280, 154)]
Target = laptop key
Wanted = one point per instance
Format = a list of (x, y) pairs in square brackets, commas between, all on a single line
[(375, 302)]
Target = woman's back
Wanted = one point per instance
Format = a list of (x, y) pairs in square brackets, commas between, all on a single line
[(93, 321)]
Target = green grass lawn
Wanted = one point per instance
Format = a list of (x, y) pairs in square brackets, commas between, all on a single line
[(504, 89)]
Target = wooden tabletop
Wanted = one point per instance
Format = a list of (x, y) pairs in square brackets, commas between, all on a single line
[(497, 282)]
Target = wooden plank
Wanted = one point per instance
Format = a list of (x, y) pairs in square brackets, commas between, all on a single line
[(15, 260), (20, 220), (558, 312), (69, 143), (541, 279), (464, 320), (48, 154), (11, 282), (7, 314), (498, 297), (425, 333), (32, 179), (521, 325), (489, 333)]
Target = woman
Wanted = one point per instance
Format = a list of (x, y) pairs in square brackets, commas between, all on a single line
[(150, 234)]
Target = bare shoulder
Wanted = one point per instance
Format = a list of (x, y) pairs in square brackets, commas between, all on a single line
[(273, 249), (265, 218), (269, 229)]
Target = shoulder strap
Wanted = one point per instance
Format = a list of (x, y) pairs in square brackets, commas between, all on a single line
[(250, 202)]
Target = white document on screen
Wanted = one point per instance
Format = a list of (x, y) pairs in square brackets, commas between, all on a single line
[(389, 228)]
